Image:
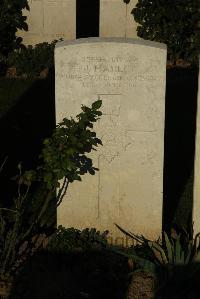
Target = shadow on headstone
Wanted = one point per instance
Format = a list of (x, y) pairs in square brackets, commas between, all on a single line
[(180, 127)]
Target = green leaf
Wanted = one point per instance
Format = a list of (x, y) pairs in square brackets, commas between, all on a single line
[(188, 256), (155, 246), (96, 105), (91, 171), (99, 113), (129, 234), (169, 248), (85, 109), (178, 251), (97, 140), (182, 257)]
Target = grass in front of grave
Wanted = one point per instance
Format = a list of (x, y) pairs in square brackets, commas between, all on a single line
[(81, 264), (76, 274), (73, 264)]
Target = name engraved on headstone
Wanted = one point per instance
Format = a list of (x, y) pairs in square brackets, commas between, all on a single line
[(113, 71)]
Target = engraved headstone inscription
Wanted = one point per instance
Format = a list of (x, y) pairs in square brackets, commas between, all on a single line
[(128, 75), (196, 201)]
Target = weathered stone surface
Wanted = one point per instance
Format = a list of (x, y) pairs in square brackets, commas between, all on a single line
[(116, 19), (196, 201), (60, 18), (128, 75), (48, 20)]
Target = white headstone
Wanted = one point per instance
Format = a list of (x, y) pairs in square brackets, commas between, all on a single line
[(49, 20), (128, 75), (196, 201), (116, 20)]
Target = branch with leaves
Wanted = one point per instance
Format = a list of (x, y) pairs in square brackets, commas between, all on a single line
[(63, 158)]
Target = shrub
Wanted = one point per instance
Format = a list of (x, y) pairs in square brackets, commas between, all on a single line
[(70, 239), (178, 249), (175, 23), (32, 60), (63, 157), (11, 19)]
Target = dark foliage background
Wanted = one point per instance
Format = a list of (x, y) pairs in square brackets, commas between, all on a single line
[(11, 19), (175, 23)]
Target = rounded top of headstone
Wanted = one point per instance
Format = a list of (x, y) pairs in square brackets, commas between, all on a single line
[(137, 41)]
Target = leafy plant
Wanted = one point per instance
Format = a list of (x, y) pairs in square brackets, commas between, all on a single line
[(11, 19), (174, 23), (63, 157), (32, 60), (70, 239), (174, 250)]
